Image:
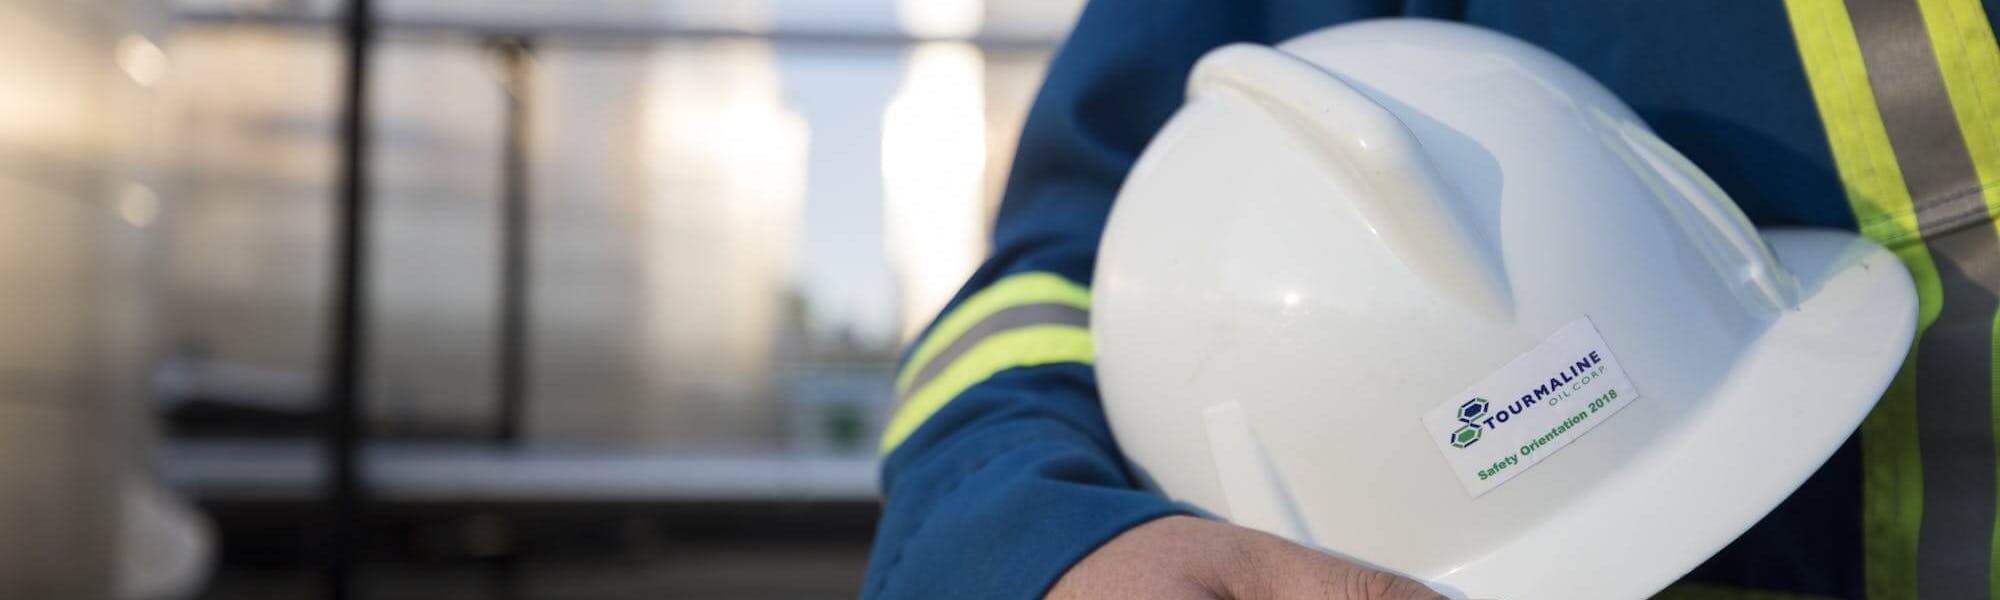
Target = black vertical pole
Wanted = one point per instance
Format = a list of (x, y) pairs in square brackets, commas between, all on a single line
[(514, 356), (345, 509), (514, 270)]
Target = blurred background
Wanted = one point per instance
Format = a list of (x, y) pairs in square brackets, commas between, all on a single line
[(632, 279)]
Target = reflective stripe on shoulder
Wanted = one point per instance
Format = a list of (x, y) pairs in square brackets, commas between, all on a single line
[(1968, 63), (1022, 320), (1908, 91), (1891, 481)]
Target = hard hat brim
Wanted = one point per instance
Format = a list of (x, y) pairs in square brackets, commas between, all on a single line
[(1795, 397)]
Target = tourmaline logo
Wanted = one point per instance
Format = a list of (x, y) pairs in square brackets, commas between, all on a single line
[(1469, 415), (1532, 407)]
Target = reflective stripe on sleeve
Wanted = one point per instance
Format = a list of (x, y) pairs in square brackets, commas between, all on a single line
[(1014, 290), (1022, 320)]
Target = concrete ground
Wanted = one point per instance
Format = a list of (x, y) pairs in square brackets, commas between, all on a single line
[(454, 551), (745, 571)]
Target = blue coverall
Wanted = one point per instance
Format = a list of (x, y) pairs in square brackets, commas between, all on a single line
[(1001, 473)]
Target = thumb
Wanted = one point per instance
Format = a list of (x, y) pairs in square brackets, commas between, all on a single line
[(1293, 572)]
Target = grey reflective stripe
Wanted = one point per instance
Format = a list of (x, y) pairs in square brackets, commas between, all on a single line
[(1025, 315), (1917, 112), (1954, 358), (1954, 419)]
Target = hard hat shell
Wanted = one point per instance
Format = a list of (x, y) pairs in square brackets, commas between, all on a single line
[(1337, 237)]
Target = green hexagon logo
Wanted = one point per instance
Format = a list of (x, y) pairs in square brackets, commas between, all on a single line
[(1465, 436)]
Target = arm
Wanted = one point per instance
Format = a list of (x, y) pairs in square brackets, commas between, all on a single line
[(1001, 472)]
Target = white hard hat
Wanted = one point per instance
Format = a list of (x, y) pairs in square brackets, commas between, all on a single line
[(1427, 296)]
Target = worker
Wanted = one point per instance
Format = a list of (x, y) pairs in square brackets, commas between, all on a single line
[(1001, 478)]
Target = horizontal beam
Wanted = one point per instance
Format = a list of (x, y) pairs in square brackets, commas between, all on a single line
[(279, 470), (542, 22)]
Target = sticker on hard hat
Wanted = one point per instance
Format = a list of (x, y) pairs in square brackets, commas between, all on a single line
[(1529, 409)]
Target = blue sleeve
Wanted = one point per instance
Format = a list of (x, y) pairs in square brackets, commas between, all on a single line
[(1017, 477)]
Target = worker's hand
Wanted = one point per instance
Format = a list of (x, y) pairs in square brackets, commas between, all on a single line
[(1185, 558)]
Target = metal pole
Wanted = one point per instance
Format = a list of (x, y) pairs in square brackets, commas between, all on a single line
[(514, 336), (345, 496)]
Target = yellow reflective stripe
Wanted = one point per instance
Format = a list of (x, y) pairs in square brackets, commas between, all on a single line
[(1892, 474), (1700, 591), (1993, 574), (1013, 290), (1969, 63), (1022, 347)]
